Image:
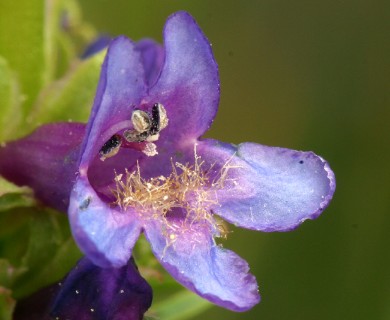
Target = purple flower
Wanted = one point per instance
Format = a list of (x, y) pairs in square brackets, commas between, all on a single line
[(143, 168), (91, 293)]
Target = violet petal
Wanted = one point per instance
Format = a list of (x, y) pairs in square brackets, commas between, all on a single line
[(92, 293), (152, 59), (271, 189), (105, 235), (188, 86), (195, 261), (121, 87), (46, 161)]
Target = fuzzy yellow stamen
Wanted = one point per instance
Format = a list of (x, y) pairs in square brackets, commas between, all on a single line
[(188, 187)]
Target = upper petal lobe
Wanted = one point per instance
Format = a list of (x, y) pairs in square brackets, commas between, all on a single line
[(188, 86), (152, 55), (121, 88)]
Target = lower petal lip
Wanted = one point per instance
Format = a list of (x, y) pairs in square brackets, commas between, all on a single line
[(104, 234), (216, 274)]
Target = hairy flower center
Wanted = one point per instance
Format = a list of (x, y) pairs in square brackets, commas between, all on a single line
[(191, 189)]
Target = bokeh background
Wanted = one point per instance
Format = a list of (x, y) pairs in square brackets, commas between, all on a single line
[(309, 75)]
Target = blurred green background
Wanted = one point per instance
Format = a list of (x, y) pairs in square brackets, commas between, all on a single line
[(310, 75)]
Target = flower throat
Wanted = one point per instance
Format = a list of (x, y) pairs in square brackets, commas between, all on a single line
[(187, 187)]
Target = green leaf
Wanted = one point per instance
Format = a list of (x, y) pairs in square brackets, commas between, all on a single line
[(7, 304), (13, 200), (50, 254), (36, 38), (12, 196), (22, 43), (70, 98), (180, 306), (9, 273), (13, 223), (10, 114), (51, 270), (14, 230), (36, 246), (6, 187)]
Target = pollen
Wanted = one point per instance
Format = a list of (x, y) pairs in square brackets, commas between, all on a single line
[(189, 188)]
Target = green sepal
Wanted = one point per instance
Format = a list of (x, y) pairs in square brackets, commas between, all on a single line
[(70, 98)]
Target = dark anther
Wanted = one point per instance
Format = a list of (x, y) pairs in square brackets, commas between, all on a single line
[(147, 125), (111, 147), (155, 127), (134, 136), (301, 162)]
